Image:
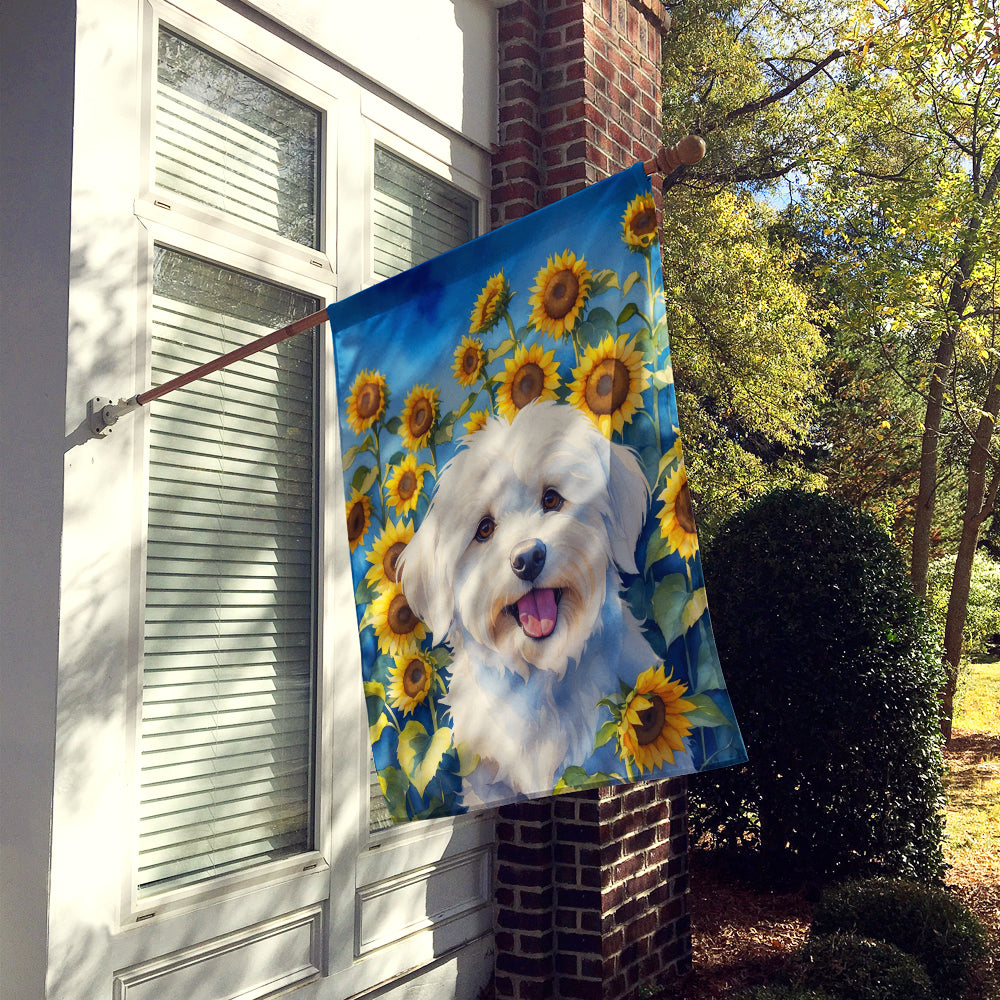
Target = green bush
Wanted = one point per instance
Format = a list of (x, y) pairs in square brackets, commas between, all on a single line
[(782, 993), (925, 922), (834, 673), (856, 968)]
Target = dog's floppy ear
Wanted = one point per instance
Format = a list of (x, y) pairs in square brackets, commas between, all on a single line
[(629, 499), (425, 577)]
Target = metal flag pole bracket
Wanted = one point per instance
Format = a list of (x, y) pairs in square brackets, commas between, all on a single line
[(103, 413)]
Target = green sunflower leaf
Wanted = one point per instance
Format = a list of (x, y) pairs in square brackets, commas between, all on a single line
[(376, 729), (364, 593), (364, 478), (394, 425), (352, 453), (394, 786), (603, 323), (709, 673), (575, 778), (656, 549), (602, 281), (630, 281), (664, 377), (421, 752), (504, 347), (706, 712), (669, 598), (606, 733), (627, 313)]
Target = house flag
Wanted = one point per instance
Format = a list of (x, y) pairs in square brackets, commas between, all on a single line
[(530, 600)]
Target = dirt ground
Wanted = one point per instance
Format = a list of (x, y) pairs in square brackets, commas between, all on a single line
[(742, 936)]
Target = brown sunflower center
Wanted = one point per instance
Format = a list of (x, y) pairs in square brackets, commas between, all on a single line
[(684, 510), (470, 361), (527, 384), (561, 293), (607, 386), (390, 559), (407, 485), (400, 618), (356, 521), (421, 417), (415, 677), (369, 400), (644, 222), (651, 721)]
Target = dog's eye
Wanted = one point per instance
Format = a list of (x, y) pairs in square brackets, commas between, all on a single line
[(485, 529), (551, 500)]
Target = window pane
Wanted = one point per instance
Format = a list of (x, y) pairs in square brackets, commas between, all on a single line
[(228, 658), (228, 140), (416, 215)]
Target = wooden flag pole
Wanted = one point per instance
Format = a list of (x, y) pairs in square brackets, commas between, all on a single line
[(103, 413)]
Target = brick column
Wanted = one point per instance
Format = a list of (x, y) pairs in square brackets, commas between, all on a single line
[(591, 888)]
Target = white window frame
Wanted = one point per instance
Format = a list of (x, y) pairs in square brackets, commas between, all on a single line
[(352, 874)]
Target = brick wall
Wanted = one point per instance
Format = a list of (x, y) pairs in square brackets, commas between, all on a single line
[(591, 889)]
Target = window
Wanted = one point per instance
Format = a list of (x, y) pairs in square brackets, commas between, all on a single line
[(229, 646)]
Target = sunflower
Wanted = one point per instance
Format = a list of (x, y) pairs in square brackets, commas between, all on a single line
[(609, 383), (385, 553), (404, 484), (531, 374), (397, 628), (477, 421), (560, 292), (367, 400), (639, 222), (677, 517), (469, 360), (491, 304), (652, 725), (419, 416), (410, 681), (359, 517)]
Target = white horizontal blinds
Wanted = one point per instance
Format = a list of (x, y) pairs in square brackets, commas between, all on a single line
[(416, 215), (228, 656), (228, 140)]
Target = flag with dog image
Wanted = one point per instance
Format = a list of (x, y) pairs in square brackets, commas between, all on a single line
[(530, 601)]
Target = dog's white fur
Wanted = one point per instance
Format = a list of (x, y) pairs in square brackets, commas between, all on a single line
[(528, 706)]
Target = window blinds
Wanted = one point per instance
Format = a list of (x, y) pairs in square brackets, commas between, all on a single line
[(227, 680), (416, 215), (225, 139)]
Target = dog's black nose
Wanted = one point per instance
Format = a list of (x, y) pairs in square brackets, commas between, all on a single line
[(528, 558)]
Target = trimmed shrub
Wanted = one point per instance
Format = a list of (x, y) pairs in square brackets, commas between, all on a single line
[(834, 673), (925, 922), (856, 968)]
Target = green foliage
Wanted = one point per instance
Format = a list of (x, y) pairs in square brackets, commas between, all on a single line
[(782, 993), (983, 611), (833, 673), (857, 968), (924, 921)]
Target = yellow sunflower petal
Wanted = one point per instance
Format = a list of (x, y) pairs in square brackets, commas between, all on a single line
[(676, 519), (397, 629), (419, 416), (609, 383), (490, 305), (529, 375), (559, 294), (385, 554), (367, 401)]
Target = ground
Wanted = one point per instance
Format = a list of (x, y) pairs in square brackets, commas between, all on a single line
[(741, 935)]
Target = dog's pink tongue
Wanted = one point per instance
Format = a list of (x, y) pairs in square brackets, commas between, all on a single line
[(537, 613)]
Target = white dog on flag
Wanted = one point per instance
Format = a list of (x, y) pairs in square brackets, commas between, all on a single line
[(516, 567)]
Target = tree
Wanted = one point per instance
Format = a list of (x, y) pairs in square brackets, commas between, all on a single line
[(914, 181)]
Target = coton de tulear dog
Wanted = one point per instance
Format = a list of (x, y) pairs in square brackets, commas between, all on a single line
[(516, 567)]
